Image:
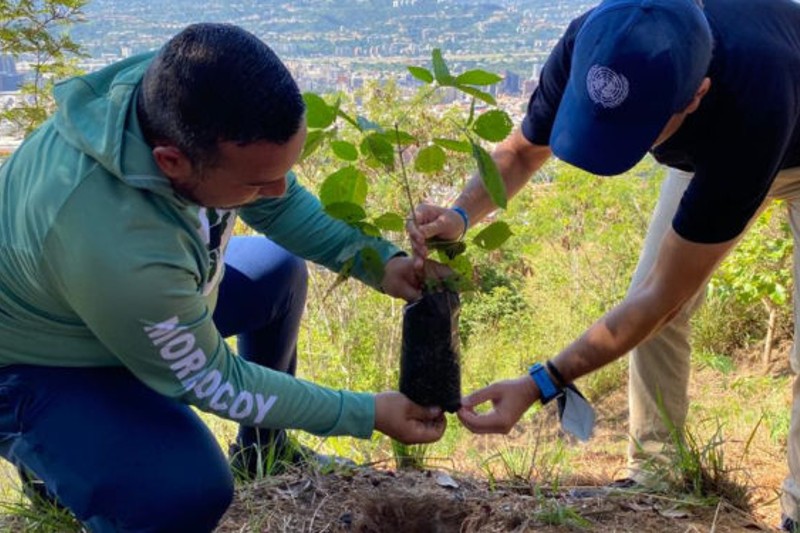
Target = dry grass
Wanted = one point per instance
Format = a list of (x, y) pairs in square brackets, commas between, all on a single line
[(377, 501), (517, 482)]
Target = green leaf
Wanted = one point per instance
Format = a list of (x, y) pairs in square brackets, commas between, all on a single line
[(372, 265), (343, 275), (349, 119), (346, 211), (314, 140), (461, 279), (490, 175), (390, 222), (478, 77), (421, 74), (347, 184), (430, 159), (377, 147), (477, 93), (319, 115), (401, 138), (471, 112), (493, 236), (344, 150), (440, 70), (455, 146), (450, 249), (779, 295), (368, 229), (493, 126)]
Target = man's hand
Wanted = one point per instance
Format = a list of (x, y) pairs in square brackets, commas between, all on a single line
[(510, 399), (431, 221), (402, 280), (403, 420)]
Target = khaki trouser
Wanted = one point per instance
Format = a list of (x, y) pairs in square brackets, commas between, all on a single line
[(659, 367)]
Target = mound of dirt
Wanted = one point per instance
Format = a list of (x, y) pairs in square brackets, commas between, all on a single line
[(376, 501)]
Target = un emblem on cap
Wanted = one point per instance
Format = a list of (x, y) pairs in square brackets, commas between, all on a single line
[(606, 87)]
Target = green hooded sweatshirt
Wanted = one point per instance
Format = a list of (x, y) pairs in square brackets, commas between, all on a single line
[(103, 264)]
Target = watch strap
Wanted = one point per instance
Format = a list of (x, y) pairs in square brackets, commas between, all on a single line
[(548, 390)]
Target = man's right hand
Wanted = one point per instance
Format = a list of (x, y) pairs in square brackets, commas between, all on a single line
[(403, 420), (431, 221)]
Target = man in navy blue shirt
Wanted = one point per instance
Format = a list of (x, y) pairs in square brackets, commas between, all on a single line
[(713, 92)]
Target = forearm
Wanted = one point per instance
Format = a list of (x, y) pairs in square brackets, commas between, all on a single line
[(681, 270), (616, 333), (297, 222)]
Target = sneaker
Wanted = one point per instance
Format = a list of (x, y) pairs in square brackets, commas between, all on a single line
[(255, 462), (306, 457), (625, 483), (789, 524)]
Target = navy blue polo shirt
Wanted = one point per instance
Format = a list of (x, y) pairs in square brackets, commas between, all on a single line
[(746, 128)]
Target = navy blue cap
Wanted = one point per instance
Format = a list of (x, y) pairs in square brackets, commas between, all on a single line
[(634, 65)]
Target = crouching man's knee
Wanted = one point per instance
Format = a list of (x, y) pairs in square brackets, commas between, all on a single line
[(192, 504)]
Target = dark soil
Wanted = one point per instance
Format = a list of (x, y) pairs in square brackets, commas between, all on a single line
[(455, 497), (376, 501), (430, 369)]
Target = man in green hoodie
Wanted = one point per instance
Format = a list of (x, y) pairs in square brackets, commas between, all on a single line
[(115, 216)]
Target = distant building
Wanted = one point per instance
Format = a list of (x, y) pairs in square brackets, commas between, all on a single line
[(511, 83), (10, 80), (537, 69), (529, 86)]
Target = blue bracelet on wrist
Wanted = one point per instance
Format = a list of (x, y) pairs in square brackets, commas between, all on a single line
[(548, 390), (464, 217)]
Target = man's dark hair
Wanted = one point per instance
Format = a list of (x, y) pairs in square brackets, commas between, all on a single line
[(217, 82)]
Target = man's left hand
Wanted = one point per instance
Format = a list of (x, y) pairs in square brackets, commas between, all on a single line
[(401, 279), (510, 399)]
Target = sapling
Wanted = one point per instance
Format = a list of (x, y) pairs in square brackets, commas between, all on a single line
[(430, 365)]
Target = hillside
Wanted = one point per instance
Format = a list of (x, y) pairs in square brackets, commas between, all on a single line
[(378, 498)]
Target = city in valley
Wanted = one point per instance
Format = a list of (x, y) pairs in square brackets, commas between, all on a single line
[(333, 45)]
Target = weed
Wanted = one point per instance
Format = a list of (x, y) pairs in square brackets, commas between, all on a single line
[(252, 463), (719, 362), (553, 513), (703, 471), (516, 462), (778, 422), (409, 457), (39, 516), (532, 464)]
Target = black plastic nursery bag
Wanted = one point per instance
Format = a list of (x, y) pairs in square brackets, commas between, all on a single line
[(430, 369)]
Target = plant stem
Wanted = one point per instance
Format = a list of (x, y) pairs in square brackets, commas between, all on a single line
[(406, 184)]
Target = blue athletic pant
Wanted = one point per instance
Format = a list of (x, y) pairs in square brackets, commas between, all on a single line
[(125, 458)]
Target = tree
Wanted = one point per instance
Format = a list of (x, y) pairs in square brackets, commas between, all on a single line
[(36, 30), (759, 270), (392, 150)]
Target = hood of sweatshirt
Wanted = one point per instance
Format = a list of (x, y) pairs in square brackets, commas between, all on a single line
[(97, 114)]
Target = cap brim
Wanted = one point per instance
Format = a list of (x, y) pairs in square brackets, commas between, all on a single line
[(604, 143)]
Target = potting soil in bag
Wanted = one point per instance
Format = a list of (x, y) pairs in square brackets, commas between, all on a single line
[(430, 370)]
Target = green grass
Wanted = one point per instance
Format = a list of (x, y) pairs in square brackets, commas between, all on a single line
[(554, 513), (574, 248)]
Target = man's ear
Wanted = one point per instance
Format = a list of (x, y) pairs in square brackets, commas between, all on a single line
[(705, 85), (173, 163)]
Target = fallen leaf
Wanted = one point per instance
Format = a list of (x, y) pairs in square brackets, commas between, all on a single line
[(444, 480)]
